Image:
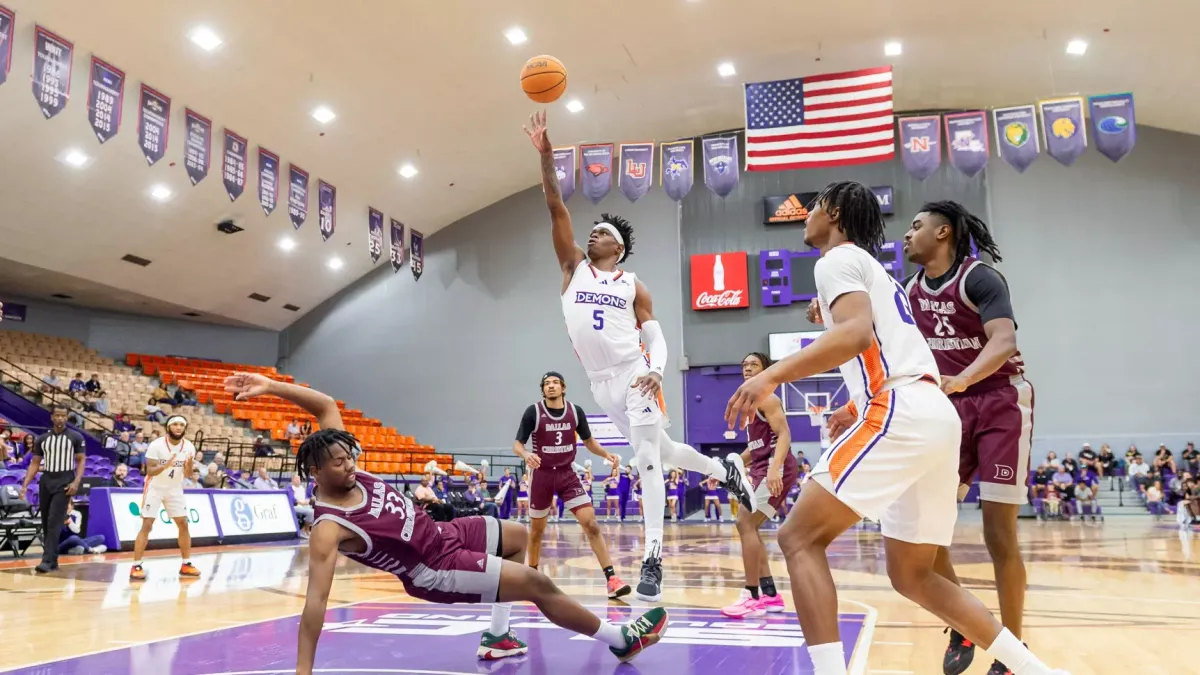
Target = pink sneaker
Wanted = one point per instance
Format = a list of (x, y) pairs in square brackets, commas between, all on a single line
[(746, 608), (772, 604)]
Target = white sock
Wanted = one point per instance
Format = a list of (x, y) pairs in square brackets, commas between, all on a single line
[(685, 456), (654, 490), (500, 612), (137, 562), (610, 634), (1007, 649), (828, 659)]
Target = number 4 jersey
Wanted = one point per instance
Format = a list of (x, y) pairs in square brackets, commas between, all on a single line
[(898, 354), (598, 308), (161, 452)]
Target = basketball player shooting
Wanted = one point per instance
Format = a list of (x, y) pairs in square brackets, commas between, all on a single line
[(896, 463), (168, 461), (610, 316), (477, 559)]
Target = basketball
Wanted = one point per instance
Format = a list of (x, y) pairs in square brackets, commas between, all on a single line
[(543, 79)]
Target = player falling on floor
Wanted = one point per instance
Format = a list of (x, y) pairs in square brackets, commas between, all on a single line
[(553, 424), (476, 559), (773, 470), (605, 309), (896, 463), (168, 461)]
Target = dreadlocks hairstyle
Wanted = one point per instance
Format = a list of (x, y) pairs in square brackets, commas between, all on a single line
[(762, 358), (858, 214), (624, 228), (316, 449), (966, 227)]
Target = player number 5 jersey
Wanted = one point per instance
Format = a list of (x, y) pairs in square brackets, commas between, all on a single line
[(161, 452), (598, 308)]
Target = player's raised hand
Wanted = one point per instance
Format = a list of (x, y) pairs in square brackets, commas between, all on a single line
[(649, 384), (245, 386), (746, 400), (814, 312), (537, 132), (839, 422)]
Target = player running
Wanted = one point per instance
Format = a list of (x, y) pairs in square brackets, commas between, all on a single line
[(477, 559), (896, 463), (554, 424), (168, 462), (610, 316)]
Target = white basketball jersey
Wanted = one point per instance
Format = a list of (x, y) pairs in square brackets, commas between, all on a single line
[(160, 452), (598, 307), (898, 354)]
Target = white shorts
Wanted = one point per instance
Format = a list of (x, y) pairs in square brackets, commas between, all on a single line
[(898, 464), (172, 500), (626, 406)]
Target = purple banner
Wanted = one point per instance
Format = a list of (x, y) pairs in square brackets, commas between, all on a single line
[(1114, 128), (374, 233), (297, 195), (1017, 135), (921, 145), (14, 312), (7, 19), (416, 251), (564, 168), (596, 177), (967, 139), (268, 179), (720, 165), (326, 209), (52, 58), (637, 170), (197, 147), (106, 99), (675, 166), (154, 124), (1066, 137), (397, 252), (233, 166)]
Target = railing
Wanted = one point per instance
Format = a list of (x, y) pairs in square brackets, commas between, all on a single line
[(34, 389)]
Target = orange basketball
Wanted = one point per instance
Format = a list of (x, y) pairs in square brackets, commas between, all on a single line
[(544, 79)]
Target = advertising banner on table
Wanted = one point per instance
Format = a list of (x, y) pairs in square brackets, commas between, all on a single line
[(106, 99), (720, 165), (326, 209), (15, 312), (197, 151), (637, 170), (397, 248), (268, 179), (7, 20), (564, 168), (921, 145), (374, 234), (52, 58), (1114, 128), (416, 252), (1066, 136), (297, 195), (1017, 135), (675, 162), (126, 511), (720, 281), (233, 171), (967, 141), (596, 178), (246, 513)]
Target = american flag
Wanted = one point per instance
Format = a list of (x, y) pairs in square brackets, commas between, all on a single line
[(820, 121)]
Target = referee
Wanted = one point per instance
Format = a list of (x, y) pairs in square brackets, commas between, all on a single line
[(60, 452)]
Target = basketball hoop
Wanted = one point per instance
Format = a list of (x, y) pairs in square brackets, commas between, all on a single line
[(816, 415)]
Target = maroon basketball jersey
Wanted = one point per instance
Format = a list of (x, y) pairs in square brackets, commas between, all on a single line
[(953, 328), (761, 443), (553, 437)]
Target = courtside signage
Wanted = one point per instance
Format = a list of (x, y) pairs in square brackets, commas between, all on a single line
[(127, 512), (249, 513)]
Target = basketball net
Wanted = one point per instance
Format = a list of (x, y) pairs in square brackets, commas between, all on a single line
[(816, 416)]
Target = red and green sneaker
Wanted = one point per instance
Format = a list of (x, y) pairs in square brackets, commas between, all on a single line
[(492, 647), (642, 633)]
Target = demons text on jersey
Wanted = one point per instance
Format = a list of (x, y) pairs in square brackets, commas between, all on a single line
[(604, 299)]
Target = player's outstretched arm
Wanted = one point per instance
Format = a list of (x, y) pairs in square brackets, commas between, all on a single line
[(568, 252), (652, 338), (322, 556), (245, 386)]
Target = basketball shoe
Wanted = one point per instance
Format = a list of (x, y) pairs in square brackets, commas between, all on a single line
[(649, 587), (492, 647), (136, 573), (188, 570), (746, 608), (641, 633), (737, 483), (617, 588), (959, 654)]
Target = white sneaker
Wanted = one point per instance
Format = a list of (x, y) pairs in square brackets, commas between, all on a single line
[(100, 549)]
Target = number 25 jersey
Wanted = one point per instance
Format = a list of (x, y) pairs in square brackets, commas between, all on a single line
[(598, 308)]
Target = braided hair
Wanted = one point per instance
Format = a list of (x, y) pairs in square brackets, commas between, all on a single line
[(858, 214), (624, 228), (965, 227), (318, 447), (762, 358)]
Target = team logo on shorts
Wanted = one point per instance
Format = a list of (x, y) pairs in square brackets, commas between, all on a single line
[(1003, 472), (243, 515)]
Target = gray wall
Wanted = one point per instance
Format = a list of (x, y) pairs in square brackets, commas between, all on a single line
[(454, 358)]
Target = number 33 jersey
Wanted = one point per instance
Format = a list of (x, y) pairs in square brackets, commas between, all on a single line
[(161, 452), (898, 354), (598, 308)]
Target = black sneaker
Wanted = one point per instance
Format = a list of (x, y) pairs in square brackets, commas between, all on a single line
[(737, 483), (649, 588), (999, 669), (959, 654), (44, 568)]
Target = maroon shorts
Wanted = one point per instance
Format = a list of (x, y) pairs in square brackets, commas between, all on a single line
[(562, 482), (758, 477), (468, 567), (997, 435)]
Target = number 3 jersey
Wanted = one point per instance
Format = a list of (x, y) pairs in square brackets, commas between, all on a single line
[(598, 308), (161, 452), (898, 354)]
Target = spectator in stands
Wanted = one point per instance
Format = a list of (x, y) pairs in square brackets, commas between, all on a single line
[(1053, 504), (1107, 461), (1052, 460), (161, 395), (153, 412), (472, 495), (439, 489), (1191, 459), (1154, 499), (25, 447), (192, 481), (423, 493), (1164, 460), (1041, 481), (52, 384), (1193, 499), (264, 482), (215, 478), (121, 422), (184, 396), (7, 450), (262, 447), (1137, 472), (139, 444), (1175, 492), (306, 429), (119, 444), (78, 387), (487, 503), (1070, 465), (93, 386), (1088, 457), (1062, 481), (304, 507), (70, 543), (1085, 496), (154, 435), (120, 473), (100, 404), (293, 429)]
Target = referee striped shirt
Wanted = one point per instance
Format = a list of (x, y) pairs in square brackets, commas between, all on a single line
[(58, 450)]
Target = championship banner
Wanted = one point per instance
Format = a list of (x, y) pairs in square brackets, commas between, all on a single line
[(197, 147), (1066, 137), (967, 138), (106, 99), (921, 145), (416, 252), (297, 195), (1113, 126), (233, 169), (564, 169), (637, 170), (326, 209), (154, 124), (7, 19), (720, 165), (268, 179), (675, 166), (374, 233), (397, 252), (1017, 135), (52, 58), (596, 178)]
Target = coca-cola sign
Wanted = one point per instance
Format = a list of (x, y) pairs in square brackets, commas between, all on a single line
[(720, 281)]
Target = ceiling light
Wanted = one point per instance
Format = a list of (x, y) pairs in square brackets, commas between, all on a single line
[(160, 192), (323, 115), (516, 36), (1077, 47), (75, 158), (335, 263), (408, 171), (574, 105), (726, 70), (205, 38), (287, 243), (893, 49)]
